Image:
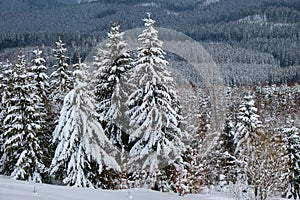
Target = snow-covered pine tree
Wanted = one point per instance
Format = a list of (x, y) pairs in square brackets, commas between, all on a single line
[(22, 157), (153, 112), (292, 146), (61, 79), (110, 84), (83, 155)]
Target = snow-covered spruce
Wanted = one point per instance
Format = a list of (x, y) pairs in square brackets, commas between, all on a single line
[(153, 112), (246, 137), (5, 79), (23, 124), (61, 79), (40, 76), (42, 85), (248, 122), (110, 84), (83, 150)]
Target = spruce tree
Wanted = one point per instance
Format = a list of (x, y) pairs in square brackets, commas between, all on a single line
[(248, 122), (245, 139), (5, 92), (40, 77), (110, 84), (42, 86), (22, 155), (61, 79), (82, 154), (154, 114)]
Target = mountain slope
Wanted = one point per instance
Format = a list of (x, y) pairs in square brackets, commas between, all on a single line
[(267, 27)]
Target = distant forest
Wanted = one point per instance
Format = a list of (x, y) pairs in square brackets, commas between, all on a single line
[(267, 32)]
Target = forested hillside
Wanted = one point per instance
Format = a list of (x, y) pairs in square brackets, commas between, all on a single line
[(267, 31)]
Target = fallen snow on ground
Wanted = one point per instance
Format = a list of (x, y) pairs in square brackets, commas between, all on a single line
[(19, 190)]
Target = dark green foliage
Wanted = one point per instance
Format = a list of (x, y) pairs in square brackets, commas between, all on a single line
[(110, 85)]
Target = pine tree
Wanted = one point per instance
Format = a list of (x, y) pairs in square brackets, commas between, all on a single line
[(154, 113), (22, 157), (110, 89), (82, 153), (292, 146)]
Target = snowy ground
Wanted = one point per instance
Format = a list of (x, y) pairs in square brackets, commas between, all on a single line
[(18, 190)]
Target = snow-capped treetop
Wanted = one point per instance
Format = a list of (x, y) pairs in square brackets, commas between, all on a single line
[(111, 64), (38, 62), (61, 76), (247, 113), (21, 63), (149, 36), (40, 76), (117, 45), (80, 71), (248, 123), (151, 53), (61, 50)]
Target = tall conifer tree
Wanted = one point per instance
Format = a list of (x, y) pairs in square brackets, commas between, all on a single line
[(110, 89), (83, 150), (23, 156), (154, 113)]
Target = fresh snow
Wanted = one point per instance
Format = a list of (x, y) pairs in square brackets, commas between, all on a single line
[(13, 190), (208, 2), (254, 19)]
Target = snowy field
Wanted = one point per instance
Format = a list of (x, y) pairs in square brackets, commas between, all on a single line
[(19, 190)]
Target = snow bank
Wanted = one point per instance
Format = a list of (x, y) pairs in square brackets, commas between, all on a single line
[(15, 190)]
